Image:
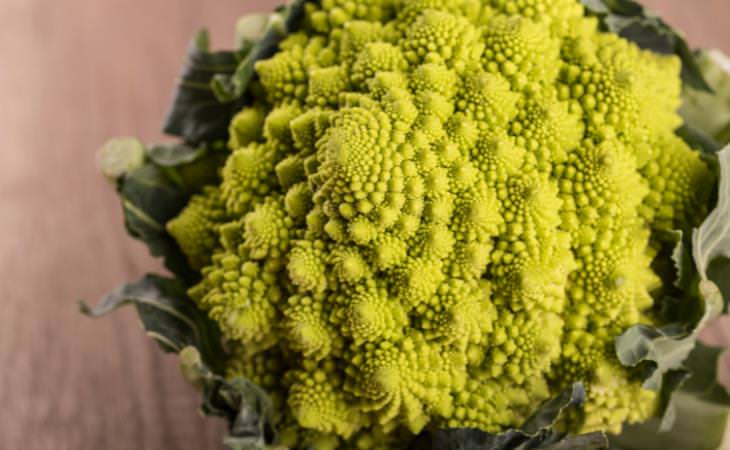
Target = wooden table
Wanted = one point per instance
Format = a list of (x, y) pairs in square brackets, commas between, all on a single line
[(72, 73)]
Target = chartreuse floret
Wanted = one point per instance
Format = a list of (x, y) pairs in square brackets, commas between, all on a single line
[(615, 397), (196, 228), (521, 50), (439, 213), (246, 127), (542, 11), (677, 179)]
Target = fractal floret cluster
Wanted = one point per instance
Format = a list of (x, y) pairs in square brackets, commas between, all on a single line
[(440, 213)]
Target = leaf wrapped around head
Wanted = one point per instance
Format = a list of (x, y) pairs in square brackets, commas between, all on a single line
[(167, 315), (696, 413), (196, 115), (244, 405), (707, 114), (670, 350), (155, 183), (537, 433), (260, 42), (711, 241)]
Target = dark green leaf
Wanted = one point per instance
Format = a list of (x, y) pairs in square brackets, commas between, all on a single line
[(621, 7), (666, 348), (596, 6), (189, 168), (719, 272), (696, 416), (537, 432), (698, 426), (229, 87), (707, 115), (196, 114), (174, 154), (673, 380), (703, 364), (468, 439), (150, 199), (242, 403), (167, 315), (691, 73), (712, 239), (588, 441), (643, 33), (697, 139), (201, 172), (687, 278), (475, 439), (157, 190), (723, 134), (681, 369), (549, 412)]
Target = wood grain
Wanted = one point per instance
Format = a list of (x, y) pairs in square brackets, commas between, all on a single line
[(72, 73)]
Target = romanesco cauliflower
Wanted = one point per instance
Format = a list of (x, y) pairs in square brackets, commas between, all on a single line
[(440, 213)]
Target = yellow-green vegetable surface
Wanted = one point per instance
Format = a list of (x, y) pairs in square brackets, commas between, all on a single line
[(440, 213)]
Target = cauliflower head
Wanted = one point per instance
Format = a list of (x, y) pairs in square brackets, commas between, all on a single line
[(441, 213)]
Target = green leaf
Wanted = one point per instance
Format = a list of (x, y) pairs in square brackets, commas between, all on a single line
[(698, 426), (157, 191), (719, 272), (230, 87), (596, 6), (196, 114), (687, 278), (174, 154), (155, 184), (643, 33), (707, 115), (242, 403), (546, 416), (149, 200), (476, 439), (696, 137), (697, 414), (625, 7), (167, 315), (632, 21), (683, 370), (666, 348), (697, 379), (691, 73), (703, 364), (537, 432), (712, 239), (588, 441)]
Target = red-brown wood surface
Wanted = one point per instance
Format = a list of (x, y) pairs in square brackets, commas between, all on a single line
[(73, 72)]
